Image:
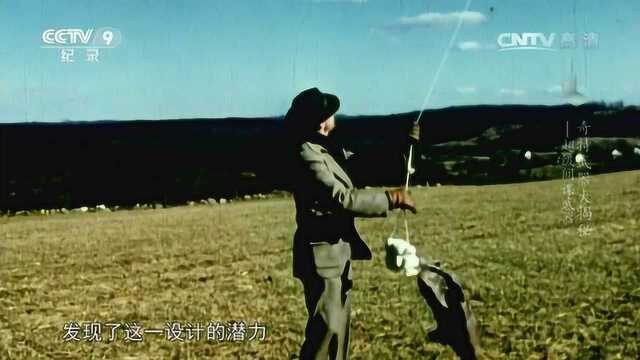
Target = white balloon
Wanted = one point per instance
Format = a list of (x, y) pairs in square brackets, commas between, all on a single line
[(615, 153)]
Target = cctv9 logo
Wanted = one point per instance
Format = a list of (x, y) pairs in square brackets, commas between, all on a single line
[(103, 37), (107, 37)]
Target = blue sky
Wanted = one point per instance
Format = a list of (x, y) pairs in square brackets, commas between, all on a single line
[(249, 58)]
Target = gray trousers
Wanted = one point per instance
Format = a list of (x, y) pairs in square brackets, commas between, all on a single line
[(327, 297)]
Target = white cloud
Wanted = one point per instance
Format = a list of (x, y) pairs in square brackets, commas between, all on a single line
[(435, 18), (555, 89), (469, 45), (474, 46), (512, 92), (467, 90)]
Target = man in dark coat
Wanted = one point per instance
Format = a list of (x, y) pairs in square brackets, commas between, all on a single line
[(326, 239)]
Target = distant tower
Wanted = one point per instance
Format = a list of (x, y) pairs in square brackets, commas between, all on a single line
[(569, 89)]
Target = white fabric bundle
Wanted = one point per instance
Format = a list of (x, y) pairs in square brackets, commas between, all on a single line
[(401, 256)]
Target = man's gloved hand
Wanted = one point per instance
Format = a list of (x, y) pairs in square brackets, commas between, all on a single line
[(400, 199), (414, 133)]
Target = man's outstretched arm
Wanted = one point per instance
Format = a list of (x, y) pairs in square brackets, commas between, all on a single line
[(362, 203)]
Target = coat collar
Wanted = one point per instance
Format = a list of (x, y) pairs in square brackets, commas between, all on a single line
[(317, 148), (333, 164)]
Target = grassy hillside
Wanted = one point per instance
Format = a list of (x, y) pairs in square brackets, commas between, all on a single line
[(538, 289)]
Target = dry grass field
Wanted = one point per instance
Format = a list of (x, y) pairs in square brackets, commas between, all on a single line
[(538, 289)]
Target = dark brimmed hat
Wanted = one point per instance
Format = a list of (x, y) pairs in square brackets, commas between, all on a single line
[(310, 108)]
